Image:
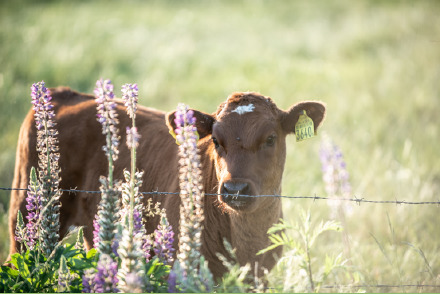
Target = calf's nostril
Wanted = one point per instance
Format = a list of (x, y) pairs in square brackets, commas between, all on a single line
[(235, 188)]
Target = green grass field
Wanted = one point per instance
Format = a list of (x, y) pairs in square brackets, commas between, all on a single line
[(374, 63)]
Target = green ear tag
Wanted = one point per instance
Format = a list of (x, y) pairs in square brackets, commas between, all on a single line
[(304, 128)]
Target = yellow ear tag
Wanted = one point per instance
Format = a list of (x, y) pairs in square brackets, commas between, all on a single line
[(304, 128), (172, 133)]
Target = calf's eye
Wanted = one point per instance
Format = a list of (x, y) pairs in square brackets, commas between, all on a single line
[(216, 144), (270, 141)]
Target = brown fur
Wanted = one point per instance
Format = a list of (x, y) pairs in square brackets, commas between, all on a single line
[(243, 156)]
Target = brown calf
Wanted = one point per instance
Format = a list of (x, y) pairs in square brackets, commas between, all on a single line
[(242, 147)]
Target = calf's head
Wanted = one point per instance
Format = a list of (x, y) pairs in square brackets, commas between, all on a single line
[(246, 138)]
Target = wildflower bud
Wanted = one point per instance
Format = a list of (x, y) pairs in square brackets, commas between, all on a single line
[(107, 116), (19, 229), (130, 97), (163, 241), (63, 276), (132, 137), (80, 239)]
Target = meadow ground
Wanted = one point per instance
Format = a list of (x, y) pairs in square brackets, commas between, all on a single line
[(374, 63)]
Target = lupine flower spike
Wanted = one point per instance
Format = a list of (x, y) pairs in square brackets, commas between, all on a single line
[(190, 187), (131, 198), (87, 281), (108, 117), (163, 241), (33, 207), (105, 280), (130, 248), (335, 174), (29, 235), (48, 168), (107, 215), (131, 273), (190, 265)]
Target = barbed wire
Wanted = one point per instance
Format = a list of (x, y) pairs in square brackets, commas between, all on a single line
[(355, 199)]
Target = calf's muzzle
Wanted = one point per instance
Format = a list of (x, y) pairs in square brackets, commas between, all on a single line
[(236, 194)]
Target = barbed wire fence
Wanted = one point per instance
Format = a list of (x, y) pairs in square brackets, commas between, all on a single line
[(354, 199)]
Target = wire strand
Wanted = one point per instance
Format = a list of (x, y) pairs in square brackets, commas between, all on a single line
[(355, 199)]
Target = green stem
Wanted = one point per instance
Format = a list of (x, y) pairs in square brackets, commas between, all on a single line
[(309, 264)]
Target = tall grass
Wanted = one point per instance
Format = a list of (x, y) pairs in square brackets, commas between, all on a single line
[(373, 63)]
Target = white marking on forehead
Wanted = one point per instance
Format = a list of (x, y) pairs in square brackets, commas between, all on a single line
[(244, 109)]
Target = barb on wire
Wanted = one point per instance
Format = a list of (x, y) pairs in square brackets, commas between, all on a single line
[(358, 200), (314, 198)]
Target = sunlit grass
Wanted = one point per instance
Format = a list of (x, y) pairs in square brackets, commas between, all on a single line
[(375, 64)]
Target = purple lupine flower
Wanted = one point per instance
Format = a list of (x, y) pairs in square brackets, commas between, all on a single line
[(32, 230), (115, 245), (335, 174), (172, 282), (49, 169), (334, 169), (107, 116), (189, 265), (33, 207), (87, 281), (105, 278), (132, 137), (137, 221), (41, 100), (138, 226), (147, 247), (163, 241), (130, 97)]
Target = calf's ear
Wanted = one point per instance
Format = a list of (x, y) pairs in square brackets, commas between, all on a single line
[(204, 122), (314, 109)]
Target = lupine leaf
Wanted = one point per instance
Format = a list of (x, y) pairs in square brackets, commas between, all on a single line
[(91, 253)]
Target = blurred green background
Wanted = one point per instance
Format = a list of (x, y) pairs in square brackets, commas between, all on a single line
[(376, 64)]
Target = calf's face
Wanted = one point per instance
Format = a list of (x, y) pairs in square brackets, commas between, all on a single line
[(247, 134)]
